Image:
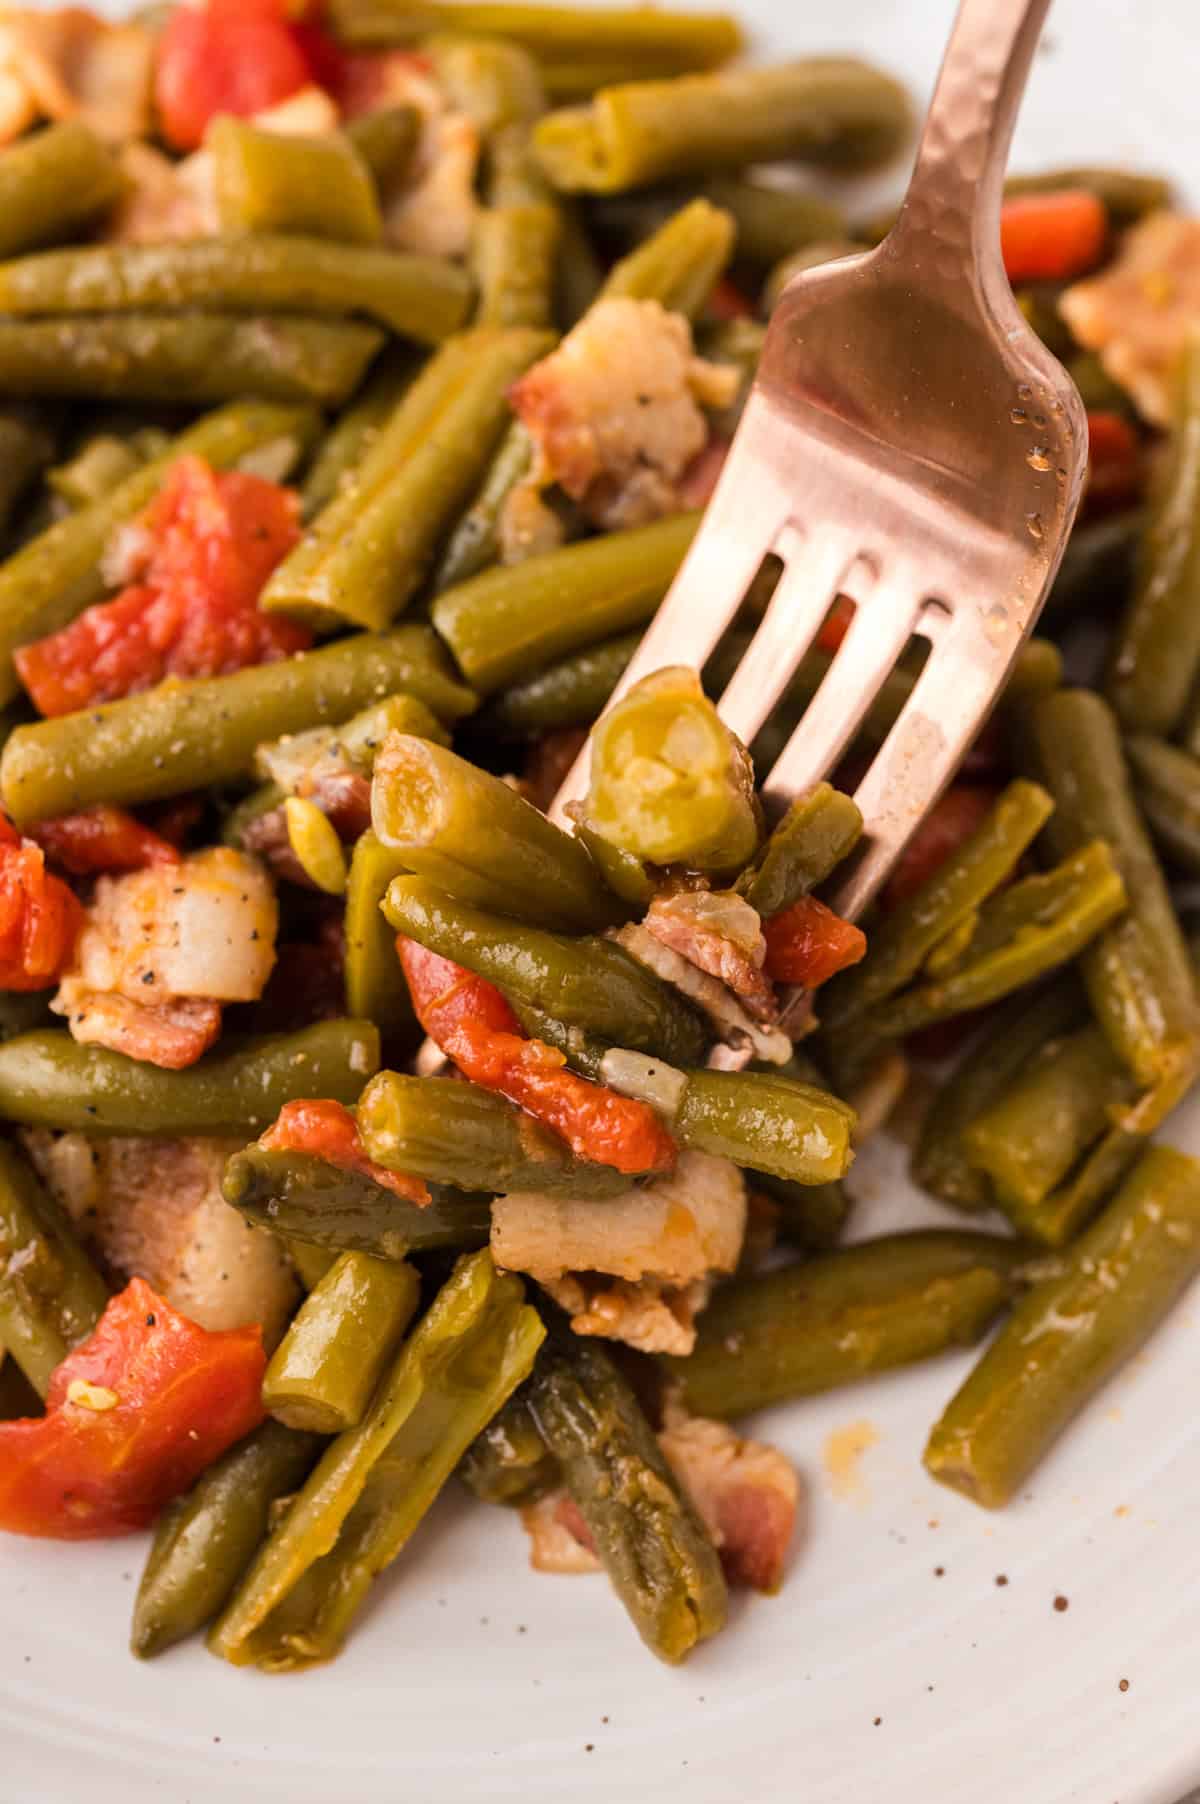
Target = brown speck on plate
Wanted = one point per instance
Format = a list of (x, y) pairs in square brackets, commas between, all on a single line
[(1061, 1602), (1002, 1578), (1124, 1685)]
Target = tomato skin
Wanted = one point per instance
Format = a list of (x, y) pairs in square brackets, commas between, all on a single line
[(474, 1026), (229, 56), (329, 1131), (1114, 462), (951, 820), (40, 916), (1052, 237), (808, 944), (101, 1467), (207, 544), (103, 838)]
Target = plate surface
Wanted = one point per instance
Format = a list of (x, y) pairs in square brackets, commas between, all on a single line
[(916, 1650)]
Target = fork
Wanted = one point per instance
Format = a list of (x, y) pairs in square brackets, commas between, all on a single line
[(908, 444)]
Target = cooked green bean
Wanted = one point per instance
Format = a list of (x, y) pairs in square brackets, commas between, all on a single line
[(205, 1540), (1059, 1217), (844, 1316), (1097, 568), (375, 986), (99, 466), (311, 1262), (185, 735), (353, 746), (424, 298), (306, 1198), (570, 693), (510, 1463), (495, 82), (1156, 654), (365, 554), (355, 431), (505, 623), (769, 1122), (386, 140), (514, 255), (315, 186), (374, 1484), (193, 357), (817, 832), (1001, 1055), (475, 541), (449, 1132), (1166, 781), (324, 1370), (47, 1079), (1072, 1332), (1138, 974), (474, 836), (831, 110), (773, 221), (811, 1216), (646, 1531), (51, 1295), (586, 983), (27, 446), (1128, 194), (53, 185), (58, 573), (678, 266)]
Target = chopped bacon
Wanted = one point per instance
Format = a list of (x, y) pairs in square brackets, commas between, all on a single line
[(67, 63), (808, 944), (720, 934), (172, 1035), (40, 916), (950, 821), (745, 1490), (550, 758), (164, 200), (308, 983), (201, 554), (474, 1026), (103, 838), (329, 1131), (343, 796)]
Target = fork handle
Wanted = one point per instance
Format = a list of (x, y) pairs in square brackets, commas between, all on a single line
[(952, 208)]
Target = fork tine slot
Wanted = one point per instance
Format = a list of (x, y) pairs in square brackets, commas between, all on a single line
[(881, 628), (811, 578)]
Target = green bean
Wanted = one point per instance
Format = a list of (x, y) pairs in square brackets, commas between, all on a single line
[(1097, 568), (53, 185), (57, 574), (354, 432), (773, 221), (514, 254), (583, 1052), (365, 554), (475, 837), (386, 140), (905, 937), (680, 264), (1137, 973), (27, 445), (509, 1463), (475, 541), (374, 1484), (626, 875), (1066, 1211), (268, 181), (99, 466), (324, 1370), (587, 983), (940, 1163), (496, 83), (506, 623), (817, 832), (196, 358), (1127, 193), (48, 1080), (187, 735), (570, 693), (1166, 781), (771, 1123), (353, 746), (51, 1295), (423, 298), (375, 986), (1072, 1331), (826, 110), (1156, 654), (306, 1198), (311, 1262), (635, 37), (845, 1316), (449, 1132), (811, 1216), (205, 1540)]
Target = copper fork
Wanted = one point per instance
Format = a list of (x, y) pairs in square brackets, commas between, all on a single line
[(909, 443)]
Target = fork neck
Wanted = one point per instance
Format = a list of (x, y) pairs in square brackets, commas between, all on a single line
[(952, 207)]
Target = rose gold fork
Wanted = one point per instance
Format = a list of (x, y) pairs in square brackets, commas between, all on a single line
[(909, 443)]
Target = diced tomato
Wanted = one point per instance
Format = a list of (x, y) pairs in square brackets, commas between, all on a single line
[(1052, 237), (208, 542), (228, 56), (103, 838), (39, 916), (376, 78), (133, 1416), (727, 302), (808, 944), (836, 624), (1114, 461), (474, 1026), (323, 55), (949, 822), (329, 1131)]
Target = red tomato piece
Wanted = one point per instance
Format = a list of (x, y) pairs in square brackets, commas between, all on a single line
[(206, 546), (39, 916), (836, 624), (103, 838), (1052, 237), (727, 302), (229, 56), (808, 944), (474, 1026), (329, 1131), (950, 821), (1114, 461), (133, 1416)]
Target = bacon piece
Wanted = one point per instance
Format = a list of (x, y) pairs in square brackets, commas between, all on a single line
[(103, 838), (721, 934)]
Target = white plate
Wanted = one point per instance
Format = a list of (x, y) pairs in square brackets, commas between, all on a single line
[(471, 1678)]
